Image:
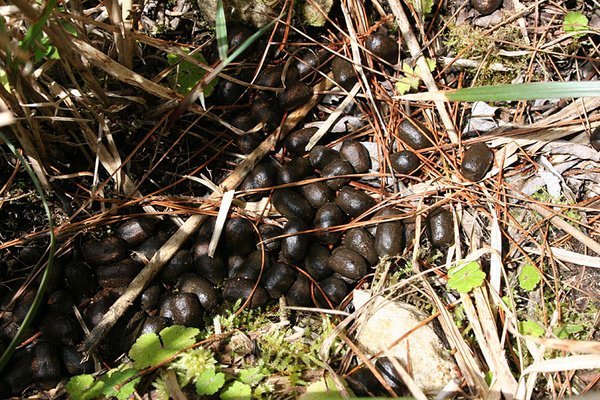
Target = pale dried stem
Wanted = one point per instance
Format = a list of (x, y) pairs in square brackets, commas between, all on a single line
[(416, 52)]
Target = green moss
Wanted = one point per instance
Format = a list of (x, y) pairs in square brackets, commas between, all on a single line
[(468, 42)]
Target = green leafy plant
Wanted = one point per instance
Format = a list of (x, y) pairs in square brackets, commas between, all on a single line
[(152, 349), (531, 328), (412, 77), (529, 277), (187, 74), (422, 6), (118, 382), (575, 22), (466, 277)]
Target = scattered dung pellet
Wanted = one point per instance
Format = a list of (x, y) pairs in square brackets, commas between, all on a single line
[(262, 176), (145, 251), (75, 362), (320, 156), (201, 288), (441, 227), (278, 279), (486, 7), (263, 111), (295, 170), (150, 297), (106, 250), (182, 262), (251, 266), (354, 202), (383, 46), (136, 230), (229, 93), (182, 309), (348, 263), (273, 76), (268, 232), (362, 242), (595, 139), (334, 288), (155, 324), (244, 122), (317, 193), (295, 142), (239, 235), (364, 383), (476, 162), (334, 169), (212, 268), (80, 279), (389, 236), (315, 262), (236, 36), (249, 142), (299, 293), (235, 289), (414, 134), (405, 162), (357, 155), (295, 95), (291, 204), (343, 73), (46, 365), (119, 274), (328, 216), (307, 61), (61, 328), (390, 374), (295, 247)]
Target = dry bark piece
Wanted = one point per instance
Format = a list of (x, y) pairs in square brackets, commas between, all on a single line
[(383, 46), (405, 162), (477, 161), (486, 7), (357, 155)]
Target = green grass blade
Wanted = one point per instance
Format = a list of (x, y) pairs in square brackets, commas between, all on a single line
[(526, 91), (221, 28), (44, 282), (236, 53), (33, 33)]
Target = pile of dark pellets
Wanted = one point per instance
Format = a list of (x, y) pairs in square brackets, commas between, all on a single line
[(306, 255)]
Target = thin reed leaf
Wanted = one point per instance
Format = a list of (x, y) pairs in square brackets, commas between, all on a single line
[(46, 277), (33, 33), (221, 28), (510, 92)]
